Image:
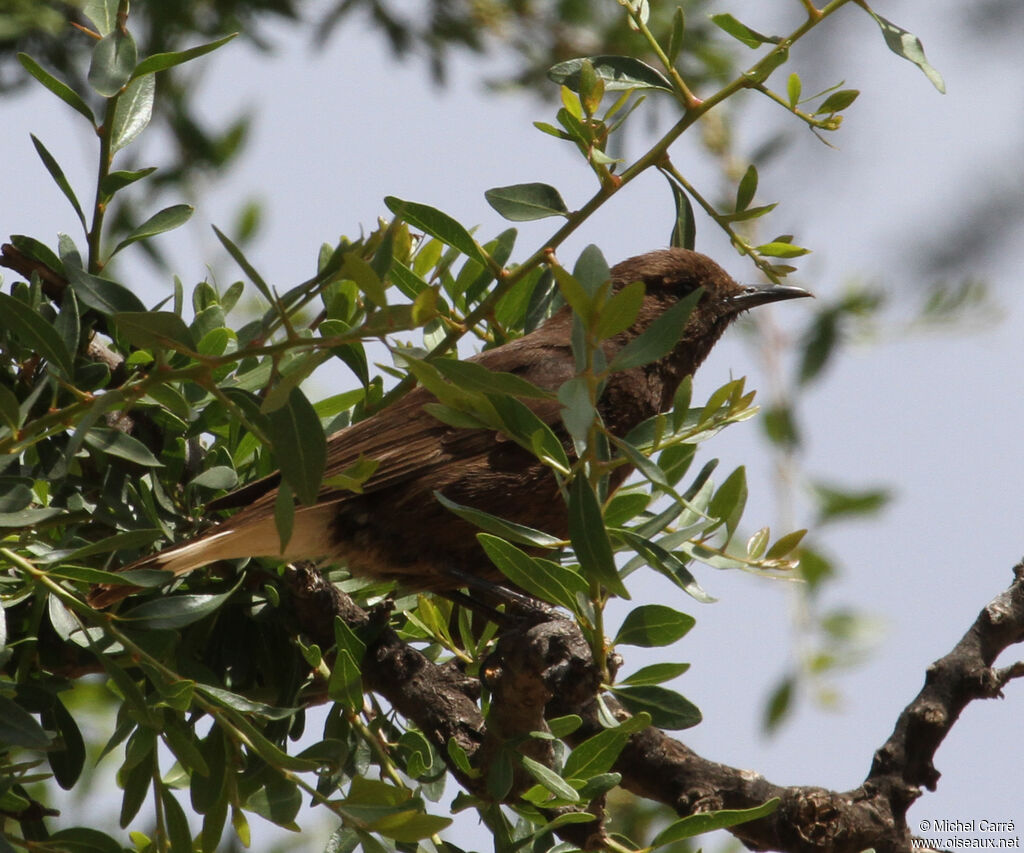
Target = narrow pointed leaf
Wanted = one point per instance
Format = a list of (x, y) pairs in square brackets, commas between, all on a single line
[(684, 232), (149, 329), (590, 538), (437, 224), (656, 673), (542, 578), (300, 447), (909, 46), (101, 294), (697, 824), (35, 333), (653, 625), (161, 221), (113, 60), (661, 336), (133, 111), (741, 32), (668, 709), (68, 95), (525, 202), (176, 611), (102, 13), (162, 61), (53, 167), (118, 180), (246, 266), (509, 530), (617, 72)]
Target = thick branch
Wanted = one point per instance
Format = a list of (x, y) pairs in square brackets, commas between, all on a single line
[(951, 682), (552, 659)]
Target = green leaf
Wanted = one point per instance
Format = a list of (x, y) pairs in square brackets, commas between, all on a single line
[(68, 95), (161, 221), (365, 276), (102, 13), (698, 824), (470, 376), (675, 40), (409, 826), (218, 478), (176, 611), (578, 413), (81, 839), (133, 111), (525, 202), (163, 61), (101, 294), (617, 72), (596, 754), (247, 267), (668, 709), (907, 45), (182, 741), (542, 578), (300, 447), (741, 32), (116, 443), (793, 88), (67, 759), (346, 682), (590, 538), (499, 526), (684, 231), (653, 625), (747, 188), (785, 545), (656, 673), (10, 409), (354, 477), (35, 333), (178, 832), (836, 503), (248, 707), (437, 224), (750, 213), (659, 338), (154, 330), (115, 181), (53, 167), (278, 800), (781, 249), (730, 500), (837, 101), (550, 779), (19, 728), (619, 313), (113, 60), (667, 563), (529, 430)]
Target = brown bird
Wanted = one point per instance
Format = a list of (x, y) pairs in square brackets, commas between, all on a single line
[(396, 529)]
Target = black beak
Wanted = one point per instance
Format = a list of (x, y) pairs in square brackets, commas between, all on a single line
[(753, 295)]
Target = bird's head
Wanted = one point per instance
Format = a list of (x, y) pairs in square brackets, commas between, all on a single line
[(671, 274)]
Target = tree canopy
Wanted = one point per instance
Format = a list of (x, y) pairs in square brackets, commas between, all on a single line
[(120, 421)]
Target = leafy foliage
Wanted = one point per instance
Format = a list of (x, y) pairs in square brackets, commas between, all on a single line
[(119, 421)]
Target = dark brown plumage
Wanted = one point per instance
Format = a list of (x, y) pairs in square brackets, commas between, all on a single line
[(396, 529)]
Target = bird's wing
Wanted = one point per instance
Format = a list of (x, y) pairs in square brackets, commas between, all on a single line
[(407, 441)]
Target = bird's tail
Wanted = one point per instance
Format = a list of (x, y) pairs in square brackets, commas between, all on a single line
[(255, 537)]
